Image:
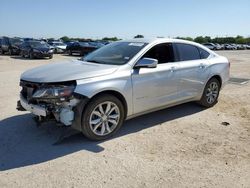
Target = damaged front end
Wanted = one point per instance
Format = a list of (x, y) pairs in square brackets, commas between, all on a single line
[(50, 101)]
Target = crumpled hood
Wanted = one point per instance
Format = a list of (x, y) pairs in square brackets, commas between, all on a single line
[(67, 71)]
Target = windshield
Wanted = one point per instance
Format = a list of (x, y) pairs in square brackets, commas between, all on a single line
[(15, 41), (117, 53), (84, 43), (37, 44)]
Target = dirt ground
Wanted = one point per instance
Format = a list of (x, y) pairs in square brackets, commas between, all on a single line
[(183, 146)]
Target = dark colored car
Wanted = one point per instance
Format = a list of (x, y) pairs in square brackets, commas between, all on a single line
[(36, 49), (82, 48), (10, 45)]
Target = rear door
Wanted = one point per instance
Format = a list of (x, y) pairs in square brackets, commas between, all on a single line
[(191, 70), (156, 87)]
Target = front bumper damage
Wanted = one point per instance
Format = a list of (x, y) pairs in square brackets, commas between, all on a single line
[(23, 105), (65, 111)]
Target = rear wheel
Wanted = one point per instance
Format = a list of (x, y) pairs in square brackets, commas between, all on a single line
[(31, 56), (103, 117), (210, 93)]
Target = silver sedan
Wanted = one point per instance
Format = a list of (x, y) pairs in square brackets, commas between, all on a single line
[(123, 80)]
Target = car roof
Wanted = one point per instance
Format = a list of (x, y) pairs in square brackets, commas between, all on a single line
[(160, 40), (154, 41)]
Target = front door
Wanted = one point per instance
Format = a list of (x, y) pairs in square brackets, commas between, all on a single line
[(156, 87)]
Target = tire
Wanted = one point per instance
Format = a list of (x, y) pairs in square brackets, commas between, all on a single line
[(31, 56), (22, 54), (106, 124), (211, 93), (70, 52), (10, 52), (1, 51), (51, 56)]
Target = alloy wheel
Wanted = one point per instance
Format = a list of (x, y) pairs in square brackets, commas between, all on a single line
[(104, 118), (212, 92)]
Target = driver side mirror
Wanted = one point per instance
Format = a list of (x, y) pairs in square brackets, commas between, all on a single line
[(147, 63)]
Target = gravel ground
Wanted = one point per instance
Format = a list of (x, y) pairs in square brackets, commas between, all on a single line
[(183, 146)]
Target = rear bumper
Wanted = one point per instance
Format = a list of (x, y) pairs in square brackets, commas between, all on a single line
[(34, 109)]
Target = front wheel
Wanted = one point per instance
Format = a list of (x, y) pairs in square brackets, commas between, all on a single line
[(103, 117), (211, 93)]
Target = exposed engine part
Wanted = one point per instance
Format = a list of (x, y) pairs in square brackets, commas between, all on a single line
[(66, 116)]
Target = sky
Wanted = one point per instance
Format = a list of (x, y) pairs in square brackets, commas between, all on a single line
[(124, 18)]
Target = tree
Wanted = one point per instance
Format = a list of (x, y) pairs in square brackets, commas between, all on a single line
[(240, 40), (110, 39), (200, 39), (138, 36), (185, 38), (208, 39), (65, 39)]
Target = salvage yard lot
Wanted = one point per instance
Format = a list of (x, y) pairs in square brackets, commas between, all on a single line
[(183, 146)]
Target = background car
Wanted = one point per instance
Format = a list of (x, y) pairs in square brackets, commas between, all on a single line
[(81, 48), (210, 46), (36, 49), (59, 47), (219, 46), (229, 47), (10, 45), (240, 47)]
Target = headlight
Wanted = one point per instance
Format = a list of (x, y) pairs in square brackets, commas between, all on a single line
[(54, 92), (51, 51)]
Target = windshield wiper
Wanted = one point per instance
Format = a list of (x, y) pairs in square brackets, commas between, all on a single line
[(94, 61)]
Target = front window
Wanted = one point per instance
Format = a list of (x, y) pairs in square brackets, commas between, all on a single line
[(37, 44), (117, 53)]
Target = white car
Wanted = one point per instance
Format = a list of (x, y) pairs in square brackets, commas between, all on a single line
[(59, 47)]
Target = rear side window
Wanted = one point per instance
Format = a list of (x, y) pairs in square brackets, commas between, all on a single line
[(187, 52), (162, 52), (204, 54)]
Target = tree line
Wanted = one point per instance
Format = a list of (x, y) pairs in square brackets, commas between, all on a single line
[(221, 40), (200, 39)]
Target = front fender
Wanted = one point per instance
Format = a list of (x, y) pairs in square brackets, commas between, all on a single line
[(119, 83)]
